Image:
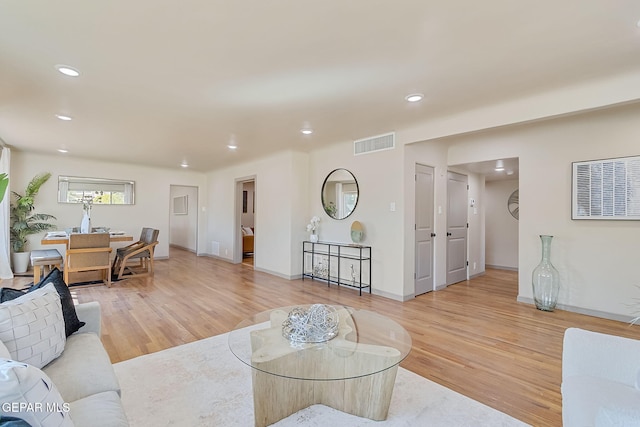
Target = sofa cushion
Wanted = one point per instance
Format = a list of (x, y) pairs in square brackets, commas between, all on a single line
[(83, 369), (28, 393), (613, 416), (99, 410), (32, 326), (583, 397), (71, 321)]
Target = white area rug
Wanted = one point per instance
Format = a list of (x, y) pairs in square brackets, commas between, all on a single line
[(203, 384)]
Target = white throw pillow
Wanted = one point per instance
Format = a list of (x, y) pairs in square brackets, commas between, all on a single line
[(32, 326), (28, 393), (247, 231)]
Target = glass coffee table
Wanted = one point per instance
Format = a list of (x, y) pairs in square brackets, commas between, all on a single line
[(353, 372)]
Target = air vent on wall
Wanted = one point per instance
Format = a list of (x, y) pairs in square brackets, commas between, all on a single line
[(374, 143)]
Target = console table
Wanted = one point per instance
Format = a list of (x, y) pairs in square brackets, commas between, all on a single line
[(328, 262)]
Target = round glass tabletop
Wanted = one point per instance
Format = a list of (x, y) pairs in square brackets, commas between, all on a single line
[(365, 343)]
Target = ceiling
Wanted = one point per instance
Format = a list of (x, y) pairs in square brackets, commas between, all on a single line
[(494, 170), (165, 82)]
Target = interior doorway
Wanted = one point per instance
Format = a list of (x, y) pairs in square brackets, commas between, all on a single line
[(424, 229), (457, 225), (246, 218)]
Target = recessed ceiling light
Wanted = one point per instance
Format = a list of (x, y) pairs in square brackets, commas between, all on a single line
[(62, 150), (63, 117), (509, 172), (414, 97), (184, 165), (306, 131), (232, 146), (68, 71)]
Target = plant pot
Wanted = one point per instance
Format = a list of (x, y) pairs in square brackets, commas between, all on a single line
[(20, 262), (313, 238)]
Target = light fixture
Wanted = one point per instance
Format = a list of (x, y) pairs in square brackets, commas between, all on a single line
[(63, 150), (499, 166), (306, 131), (67, 70), (63, 117), (414, 97), (232, 146), (509, 172), (184, 165)]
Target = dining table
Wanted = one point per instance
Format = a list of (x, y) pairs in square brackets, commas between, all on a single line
[(62, 238)]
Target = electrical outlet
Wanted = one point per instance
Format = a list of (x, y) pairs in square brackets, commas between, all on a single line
[(226, 251), (474, 265)]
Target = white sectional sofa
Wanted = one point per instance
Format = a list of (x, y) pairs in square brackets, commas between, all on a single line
[(600, 380), (82, 374)]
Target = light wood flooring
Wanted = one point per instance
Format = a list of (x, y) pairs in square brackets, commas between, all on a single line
[(473, 337)]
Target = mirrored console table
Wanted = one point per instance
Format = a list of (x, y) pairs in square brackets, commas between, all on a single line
[(342, 264)]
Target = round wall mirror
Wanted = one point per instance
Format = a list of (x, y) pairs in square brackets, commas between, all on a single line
[(340, 194)]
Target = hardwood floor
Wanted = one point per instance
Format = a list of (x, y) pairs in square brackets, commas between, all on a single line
[(472, 337)]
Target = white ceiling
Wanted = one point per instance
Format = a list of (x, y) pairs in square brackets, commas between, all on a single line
[(167, 81)]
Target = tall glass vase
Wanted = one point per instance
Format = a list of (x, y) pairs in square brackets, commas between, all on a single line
[(546, 279), (85, 225)]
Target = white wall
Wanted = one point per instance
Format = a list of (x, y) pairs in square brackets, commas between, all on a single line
[(597, 260), (184, 228), (380, 183), (152, 193), (501, 226), (280, 211)]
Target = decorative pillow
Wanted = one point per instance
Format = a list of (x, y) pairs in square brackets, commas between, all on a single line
[(32, 326), (7, 294), (71, 321), (248, 231), (244, 232), (29, 394), (13, 422)]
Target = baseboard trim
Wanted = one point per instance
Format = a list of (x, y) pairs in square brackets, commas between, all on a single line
[(501, 267), (580, 310), (183, 248)]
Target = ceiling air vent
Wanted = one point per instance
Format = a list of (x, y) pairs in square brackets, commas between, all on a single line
[(374, 143)]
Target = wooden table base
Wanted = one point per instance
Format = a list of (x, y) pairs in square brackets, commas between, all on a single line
[(276, 397)]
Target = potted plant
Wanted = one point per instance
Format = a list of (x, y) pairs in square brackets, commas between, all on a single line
[(25, 222)]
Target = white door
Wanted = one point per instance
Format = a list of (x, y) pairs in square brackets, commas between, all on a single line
[(457, 191), (424, 233)]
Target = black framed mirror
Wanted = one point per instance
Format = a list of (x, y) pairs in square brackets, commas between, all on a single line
[(340, 193)]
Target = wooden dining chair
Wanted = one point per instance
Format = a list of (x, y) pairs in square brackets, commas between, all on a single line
[(136, 259), (88, 252)]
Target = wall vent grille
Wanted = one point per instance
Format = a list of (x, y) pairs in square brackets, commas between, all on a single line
[(374, 143), (606, 189)]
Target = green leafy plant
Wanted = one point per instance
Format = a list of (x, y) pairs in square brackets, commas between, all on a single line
[(4, 183), (24, 221)]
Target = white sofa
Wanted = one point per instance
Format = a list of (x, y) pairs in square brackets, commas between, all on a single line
[(84, 376), (600, 380)]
